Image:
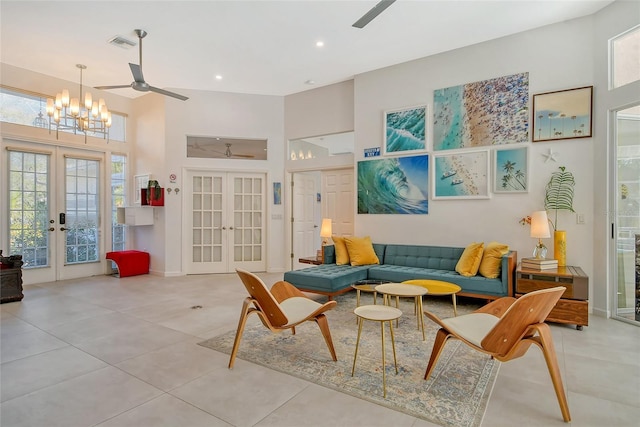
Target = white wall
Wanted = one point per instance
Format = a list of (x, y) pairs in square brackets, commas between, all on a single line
[(556, 57), (228, 115)]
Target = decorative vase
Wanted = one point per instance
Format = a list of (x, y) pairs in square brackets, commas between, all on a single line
[(560, 247)]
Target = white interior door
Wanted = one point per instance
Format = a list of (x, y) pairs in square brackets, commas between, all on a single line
[(55, 211), (338, 200), (304, 224), (224, 222)]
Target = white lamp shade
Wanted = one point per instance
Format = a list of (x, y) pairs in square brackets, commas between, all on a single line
[(325, 229), (540, 225)]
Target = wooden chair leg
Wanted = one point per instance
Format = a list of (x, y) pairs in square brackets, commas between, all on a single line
[(545, 341), (322, 322), (246, 308), (438, 345)]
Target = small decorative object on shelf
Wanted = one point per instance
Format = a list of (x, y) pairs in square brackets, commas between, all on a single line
[(153, 195)]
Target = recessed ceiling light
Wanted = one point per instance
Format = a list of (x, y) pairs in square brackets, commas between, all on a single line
[(310, 82), (218, 77), (319, 43)]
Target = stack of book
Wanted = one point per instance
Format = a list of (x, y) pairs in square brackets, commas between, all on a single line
[(539, 264)]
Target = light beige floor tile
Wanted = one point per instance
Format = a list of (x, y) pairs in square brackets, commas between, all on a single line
[(522, 403), (309, 408), (164, 411), (47, 313), (10, 324), (589, 411), (103, 326), (35, 372), (241, 396), (611, 381), (137, 341), (174, 365), (17, 346), (81, 401)]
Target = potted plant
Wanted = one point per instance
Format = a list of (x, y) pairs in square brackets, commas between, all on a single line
[(559, 196)]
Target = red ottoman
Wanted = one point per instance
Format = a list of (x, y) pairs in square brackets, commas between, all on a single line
[(130, 263)]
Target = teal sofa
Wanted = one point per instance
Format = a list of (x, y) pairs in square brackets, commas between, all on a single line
[(404, 262)]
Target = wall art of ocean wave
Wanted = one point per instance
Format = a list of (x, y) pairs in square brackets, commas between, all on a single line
[(405, 130), (394, 186)]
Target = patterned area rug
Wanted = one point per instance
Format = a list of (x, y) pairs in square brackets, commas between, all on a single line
[(456, 394)]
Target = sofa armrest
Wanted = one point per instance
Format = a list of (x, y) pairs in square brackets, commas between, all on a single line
[(509, 262)]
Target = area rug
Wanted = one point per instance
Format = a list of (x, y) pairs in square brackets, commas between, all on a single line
[(456, 394)]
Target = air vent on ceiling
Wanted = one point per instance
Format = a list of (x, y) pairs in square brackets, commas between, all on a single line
[(121, 42)]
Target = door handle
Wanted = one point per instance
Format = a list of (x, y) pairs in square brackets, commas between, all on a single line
[(52, 229), (230, 228), (63, 229), (224, 228)]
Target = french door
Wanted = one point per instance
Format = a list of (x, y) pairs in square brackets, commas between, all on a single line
[(224, 222), (54, 218)]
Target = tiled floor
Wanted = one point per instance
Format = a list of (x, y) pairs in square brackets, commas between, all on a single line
[(122, 352)]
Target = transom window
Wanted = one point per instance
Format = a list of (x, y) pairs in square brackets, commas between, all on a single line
[(29, 109), (625, 58)]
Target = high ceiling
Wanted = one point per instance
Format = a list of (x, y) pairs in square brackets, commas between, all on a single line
[(258, 47)]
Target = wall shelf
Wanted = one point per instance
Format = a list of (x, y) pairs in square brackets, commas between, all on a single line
[(135, 215)]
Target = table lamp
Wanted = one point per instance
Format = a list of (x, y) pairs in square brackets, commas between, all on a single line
[(540, 230), (325, 233)]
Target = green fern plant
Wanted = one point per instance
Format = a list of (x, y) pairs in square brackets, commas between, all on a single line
[(559, 193)]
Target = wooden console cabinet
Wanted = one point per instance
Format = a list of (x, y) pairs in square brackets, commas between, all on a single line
[(573, 307)]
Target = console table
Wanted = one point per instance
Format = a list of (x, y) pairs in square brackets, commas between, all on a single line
[(310, 260), (573, 306)]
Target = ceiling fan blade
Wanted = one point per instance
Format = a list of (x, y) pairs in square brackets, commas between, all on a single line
[(111, 87), (137, 73), (244, 156), (166, 92), (371, 14)]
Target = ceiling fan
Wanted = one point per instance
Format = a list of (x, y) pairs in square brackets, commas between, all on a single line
[(138, 79), (228, 154), (371, 14)]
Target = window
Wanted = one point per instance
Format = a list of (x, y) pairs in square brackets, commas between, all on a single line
[(625, 58), (29, 109), (118, 200)]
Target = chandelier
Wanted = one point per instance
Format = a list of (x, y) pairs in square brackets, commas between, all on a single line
[(70, 115)]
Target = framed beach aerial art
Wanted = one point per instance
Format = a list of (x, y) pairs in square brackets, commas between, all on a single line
[(511, 170), (461, 176), (481, 114), (564, 114), (405, 130)]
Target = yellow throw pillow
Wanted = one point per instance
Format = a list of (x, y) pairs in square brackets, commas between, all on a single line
[(469, 261), (361, 251), (492, 259), (342, 255)]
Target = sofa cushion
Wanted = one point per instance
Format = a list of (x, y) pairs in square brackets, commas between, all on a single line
[(342, 254), (469, 261), (435, 257), (491, 259), (326, 278), (361, 251)]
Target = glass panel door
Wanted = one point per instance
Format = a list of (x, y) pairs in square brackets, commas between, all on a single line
[(627, 297), (54, 212), (224, 222)]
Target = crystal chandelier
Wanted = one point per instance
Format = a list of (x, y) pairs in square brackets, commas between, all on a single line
[(68, 114)]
